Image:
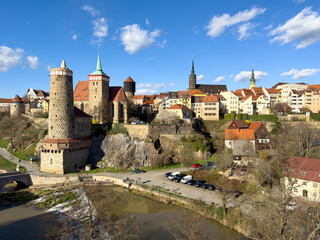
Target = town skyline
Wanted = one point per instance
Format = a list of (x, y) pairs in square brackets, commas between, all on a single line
[(224, 39)]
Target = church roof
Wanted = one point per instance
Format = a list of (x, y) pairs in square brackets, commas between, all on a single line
[(211, 89), (81, 92), (129, 79), (16, 99), (80, 113), (117, 94)]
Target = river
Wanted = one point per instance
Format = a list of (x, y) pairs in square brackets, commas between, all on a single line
[(28, 222)]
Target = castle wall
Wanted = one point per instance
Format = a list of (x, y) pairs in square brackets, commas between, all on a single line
[(16, 109), (63, 161), (61, 105), (82, 127)]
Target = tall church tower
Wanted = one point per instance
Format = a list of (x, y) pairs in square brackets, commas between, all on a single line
[(192, 78), (99, 94), (61, 124), (252, 80)]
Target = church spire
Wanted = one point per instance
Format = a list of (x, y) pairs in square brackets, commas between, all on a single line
[(192, 78), (252, 80), (99, 68), (63, 64)]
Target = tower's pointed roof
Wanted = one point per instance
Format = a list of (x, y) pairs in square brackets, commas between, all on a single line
[(63, 64), (98, 70), (252, 75), (129, 79)]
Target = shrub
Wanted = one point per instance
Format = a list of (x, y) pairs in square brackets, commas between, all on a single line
[(118, 128), (315, 116)]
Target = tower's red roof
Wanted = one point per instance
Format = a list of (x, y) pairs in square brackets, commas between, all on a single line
[(129, 79)]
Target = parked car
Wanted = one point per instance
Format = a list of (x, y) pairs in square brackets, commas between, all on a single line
[(199, 183), (209, 165), (211, 187), (138, 171), (291, 205), (196, 165), (204, 186), (167, 174), (191, 182), (236, 194), (185, 179), (172, 175), (177, 178)]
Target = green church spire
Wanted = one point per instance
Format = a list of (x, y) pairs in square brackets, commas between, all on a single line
[(98, 70)]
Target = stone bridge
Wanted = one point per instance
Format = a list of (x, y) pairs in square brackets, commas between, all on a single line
[(22, 179)]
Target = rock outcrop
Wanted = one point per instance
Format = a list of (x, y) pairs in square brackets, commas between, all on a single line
[(122, 151)]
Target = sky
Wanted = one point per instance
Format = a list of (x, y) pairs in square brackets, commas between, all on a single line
[(154, 42)]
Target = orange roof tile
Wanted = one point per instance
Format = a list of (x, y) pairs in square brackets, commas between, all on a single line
[(184, 93), (271, 90), (129, 79), (81, 92), (239, 134), (138, 97), (210, 99), (255, 126), (196, 91), (180, 106), (16, 99), (316, 86)]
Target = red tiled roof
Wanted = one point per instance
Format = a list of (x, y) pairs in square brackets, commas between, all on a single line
[(129, 79), (303, 168), (79, 113), (254, 98), (16, 99), (117, 94), (239, 134), (239, 123), (81, 92), (196, 91), (138, 97), (210, 99), (255, 126), (271, 90), (314, 87), (180, 106), (5, 100), (184, 93)]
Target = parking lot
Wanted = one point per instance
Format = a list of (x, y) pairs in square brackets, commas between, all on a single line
[(157, 179)]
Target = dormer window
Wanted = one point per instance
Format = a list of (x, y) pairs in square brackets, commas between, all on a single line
[(303, 172)]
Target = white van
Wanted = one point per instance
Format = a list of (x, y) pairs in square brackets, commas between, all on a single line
[(185, 179), (171, 177)]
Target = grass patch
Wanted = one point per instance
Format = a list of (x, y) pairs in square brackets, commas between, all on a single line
[(26, 153), (58, 199), (7, 165), (4, 143)]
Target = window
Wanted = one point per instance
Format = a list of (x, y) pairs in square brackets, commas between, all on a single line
[(315, 194), (305, 183), (303, 172), (51, 161), (315, 185), (295, 190)]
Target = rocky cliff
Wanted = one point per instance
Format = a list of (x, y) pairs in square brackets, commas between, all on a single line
[(122, 151)]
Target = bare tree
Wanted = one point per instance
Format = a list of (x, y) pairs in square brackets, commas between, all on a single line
[(187, 154)]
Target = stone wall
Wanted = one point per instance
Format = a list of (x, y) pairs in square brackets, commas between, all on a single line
[(40, 121), (82, 127), (142, 131), (37, 112)]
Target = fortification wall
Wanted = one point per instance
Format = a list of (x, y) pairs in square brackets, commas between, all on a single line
[(137, 131), (157, 130), (82, 127)]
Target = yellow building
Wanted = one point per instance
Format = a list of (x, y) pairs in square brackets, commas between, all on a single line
[(312, 98), (209, 108), (183, 112), (45, 105), (184, 98)]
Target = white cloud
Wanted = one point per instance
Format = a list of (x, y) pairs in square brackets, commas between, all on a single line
[(172, 84), (200, 77), (299, 1), (220, 79), (75, 36), (100, 30), (136, 39), (33, 62), (147, 88), (91, 10), (304, 29), (9, 57), (162, 44), (147, 22), (246, 75), (218, 24), (268, 27), (296, 74), (243, 30)]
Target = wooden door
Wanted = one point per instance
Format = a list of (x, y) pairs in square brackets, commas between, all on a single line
[(305, 193)]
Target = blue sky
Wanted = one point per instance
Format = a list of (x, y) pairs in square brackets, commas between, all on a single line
[(154, 41)]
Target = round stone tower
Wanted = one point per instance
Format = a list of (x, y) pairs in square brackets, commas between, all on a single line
[(61, 114), (16, 107), (129, 87)]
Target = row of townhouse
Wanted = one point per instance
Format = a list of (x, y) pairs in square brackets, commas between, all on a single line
[(183, 103), (260, 100)]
